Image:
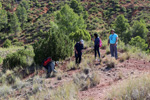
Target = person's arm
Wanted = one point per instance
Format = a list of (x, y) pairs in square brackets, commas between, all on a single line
[(108, 41), (75, 50), (116, 40)]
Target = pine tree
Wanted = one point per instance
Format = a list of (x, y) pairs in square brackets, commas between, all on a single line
[(56, 45), (122, 27), (22, 15), (25, 3), (14, 24), (68, 21), (139, 29), (75, 5)]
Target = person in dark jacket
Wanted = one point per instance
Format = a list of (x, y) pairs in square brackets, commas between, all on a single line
[(96, 46), (50, 67), (78, 51)]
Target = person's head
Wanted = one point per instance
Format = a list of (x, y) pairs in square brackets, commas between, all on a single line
[(112, 31), (95, 35), (81, 41)]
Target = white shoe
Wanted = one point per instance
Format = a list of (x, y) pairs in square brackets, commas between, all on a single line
[(55, 71)]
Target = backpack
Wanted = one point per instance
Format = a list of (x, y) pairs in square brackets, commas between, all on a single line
[(46, 61), (100, 43)]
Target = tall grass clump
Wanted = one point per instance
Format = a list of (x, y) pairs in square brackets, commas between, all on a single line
[(86, 79), (71, 65), (7, 43), (22, 58), (124, 56), (110, 62), (132, 89), (105, 43), (4, 90), (138, 53), (122, 47), (68, 91), (1, 60)]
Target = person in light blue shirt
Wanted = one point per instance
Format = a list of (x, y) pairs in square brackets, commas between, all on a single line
[(113, 39)]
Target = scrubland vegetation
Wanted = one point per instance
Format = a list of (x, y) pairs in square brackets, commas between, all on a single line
[(132, 88), (32, 30)]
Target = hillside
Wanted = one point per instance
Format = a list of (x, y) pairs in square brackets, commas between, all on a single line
[(99, 16), (33, 30)]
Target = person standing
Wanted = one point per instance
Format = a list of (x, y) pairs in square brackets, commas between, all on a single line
[(96, 46), (113, 40), (78, 51)]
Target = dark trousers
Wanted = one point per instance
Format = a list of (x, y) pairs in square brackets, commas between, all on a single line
[(96, 49), (113, 50), (78, 58), (50, 67)]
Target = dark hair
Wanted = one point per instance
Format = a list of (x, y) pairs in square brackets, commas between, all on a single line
[(96, 35)]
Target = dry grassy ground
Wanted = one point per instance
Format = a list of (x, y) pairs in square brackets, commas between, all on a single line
[(92, 81)]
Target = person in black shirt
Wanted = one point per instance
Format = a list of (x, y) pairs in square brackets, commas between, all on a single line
[(78, 51)]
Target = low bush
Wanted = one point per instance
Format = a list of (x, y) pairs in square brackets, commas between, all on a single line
[(18, 43), (21, 58), (139, 42), (7, 43)]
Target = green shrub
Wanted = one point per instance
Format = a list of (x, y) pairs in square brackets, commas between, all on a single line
[(18, 43), (21, 58), (139, 42), (56, 45), (7, 43)]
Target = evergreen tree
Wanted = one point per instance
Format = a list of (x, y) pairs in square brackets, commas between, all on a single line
[(14, 24), (3, 17), (139, 29), (121, 27), (68, 21), (56, 45), (22, 15), (25, 3), (75, 5)]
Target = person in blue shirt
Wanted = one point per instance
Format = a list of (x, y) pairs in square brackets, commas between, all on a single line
[(78, 51), (113, 40), (96, 46)]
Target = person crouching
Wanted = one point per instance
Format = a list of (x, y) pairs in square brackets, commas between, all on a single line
[(49, 65)]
